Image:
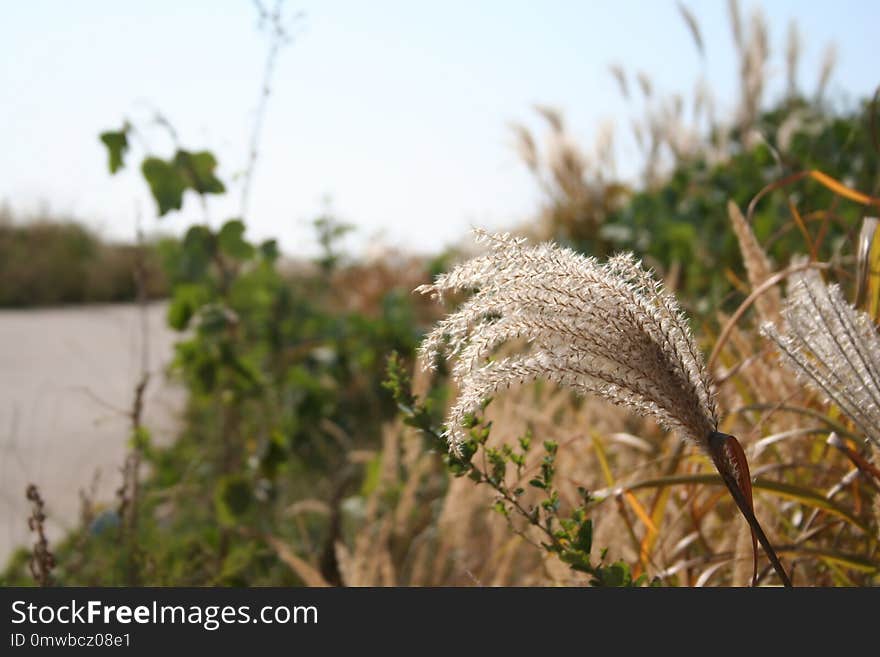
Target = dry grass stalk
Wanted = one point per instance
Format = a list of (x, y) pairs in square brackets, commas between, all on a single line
[(306, 572), (645, 84), (693, 27), (735, 22), (757, 264), (526, 147), (620, 76), (580, 185)]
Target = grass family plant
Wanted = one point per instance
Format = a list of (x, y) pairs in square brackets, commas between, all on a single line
[(607, 329)]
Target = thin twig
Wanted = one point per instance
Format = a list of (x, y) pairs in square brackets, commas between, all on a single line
[(42, 560), (279, 36)]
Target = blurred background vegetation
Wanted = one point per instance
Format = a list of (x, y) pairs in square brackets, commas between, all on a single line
[(50, 260), (309, 452)]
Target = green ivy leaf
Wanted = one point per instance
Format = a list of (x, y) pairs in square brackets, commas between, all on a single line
[(117, 146), (166, 184), (199, 248), (231, 240), (198, 171)]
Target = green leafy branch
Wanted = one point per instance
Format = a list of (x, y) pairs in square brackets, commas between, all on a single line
[(167, 179), (570, 536)]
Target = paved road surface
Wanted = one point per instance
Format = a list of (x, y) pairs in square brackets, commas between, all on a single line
[(63, 375)]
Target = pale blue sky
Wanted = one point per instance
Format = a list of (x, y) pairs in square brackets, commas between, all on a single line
[(397, 110)]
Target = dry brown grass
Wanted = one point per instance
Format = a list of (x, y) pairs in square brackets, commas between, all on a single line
[(656, 505)]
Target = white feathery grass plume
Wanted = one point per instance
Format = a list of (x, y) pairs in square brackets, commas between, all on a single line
[(833, 348), (604, 329)]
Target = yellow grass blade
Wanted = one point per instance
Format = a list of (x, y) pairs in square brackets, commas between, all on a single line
[(814, 255), (640, 511), (603, 459), (803, 495), (842, 190), (659, 509)]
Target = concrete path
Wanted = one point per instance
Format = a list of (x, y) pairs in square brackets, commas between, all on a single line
[(67, 379)]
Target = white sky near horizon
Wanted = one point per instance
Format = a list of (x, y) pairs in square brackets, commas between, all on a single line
[(398, 112)]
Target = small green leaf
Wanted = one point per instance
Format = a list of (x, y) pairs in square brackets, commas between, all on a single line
[(166, 184), (198, 171), (617, 574), (117, 146), (199, 248), (584, 541), (231, 240)]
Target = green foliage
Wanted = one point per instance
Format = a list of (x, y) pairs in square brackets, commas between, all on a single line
[(281, 384), (168, 179), (682, 222), (187, 299)]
